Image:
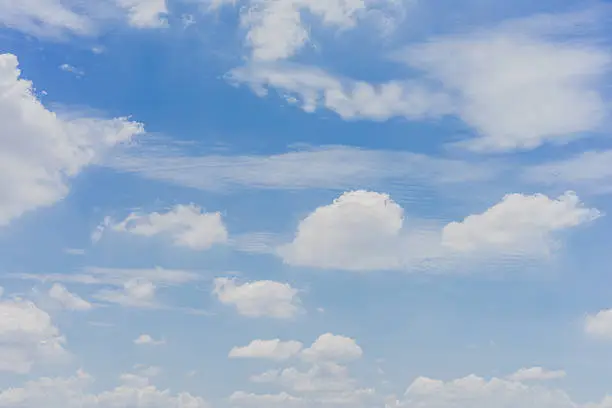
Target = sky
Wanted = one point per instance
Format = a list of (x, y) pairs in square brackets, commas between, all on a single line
[(305, 203)]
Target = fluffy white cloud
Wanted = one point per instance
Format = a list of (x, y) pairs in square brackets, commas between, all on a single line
[(363, 231), (187, 226), (68, 300), (39, 151), (73, 393), (478, 392), (138, 293), (146, 339), (505, 82), (360, 230), (318, 379), (535, 374), (519, 223), (333, 348), (268, 349), (27, 337), (243, 399), (259, 298), (599, 325), (145, 13)]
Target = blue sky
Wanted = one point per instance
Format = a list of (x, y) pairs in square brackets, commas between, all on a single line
[(309, 203)]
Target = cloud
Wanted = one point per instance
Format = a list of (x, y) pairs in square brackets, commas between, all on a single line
[(39, 151), (332, 348), (324, 167), (364, 230), (350, 99), (43, 18), (536, 374), (519, 223), (360, 230), (268, 349), (72, 69), (276, 30), (187, 225), (259, 298), (28, 337), (58, 19), (244, 399), (118, 276), (145, 339), (482, 393), (599, 325), (68, 300), (137, 293), (73, 392), (588, 170), (145, 13), (518, 85)]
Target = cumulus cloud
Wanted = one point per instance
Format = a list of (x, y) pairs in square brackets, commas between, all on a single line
[(519, 223), (39, 150), (68, 300), (332, 348), (28, 337), (599, 325), (482, 393), (73, 392), (364, 230), (259, 298), (268, 349), (187, 225), (146, 339)]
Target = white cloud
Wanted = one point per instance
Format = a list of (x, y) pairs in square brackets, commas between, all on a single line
[(187, 225), (72, 69), (276, 30), (73, 393), (268, 349), (332, 348), (481, 393), (145, 13), (360, 230), (351, 99), (39, 151), (504, 82), (324, 167), (68, 300), (321, 378), (137, 293), (43, 17), (588, 170), (519, 223), (363, 231), (536, 374), (243, 399), (146, 339), (118, 276), (259, 298), (27, 337), (599, 325)]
